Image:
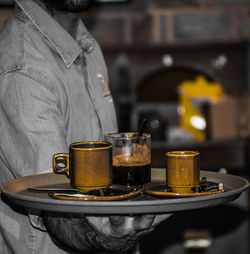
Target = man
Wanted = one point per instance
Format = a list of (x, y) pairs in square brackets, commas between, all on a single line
[(54, 91)]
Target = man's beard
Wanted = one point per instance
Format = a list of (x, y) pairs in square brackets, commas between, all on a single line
[(75, 6)]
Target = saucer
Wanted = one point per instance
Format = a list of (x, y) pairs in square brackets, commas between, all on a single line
[(161, 190), (115, 192)]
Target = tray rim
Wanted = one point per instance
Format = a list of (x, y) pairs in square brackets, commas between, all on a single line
[(129, 206)]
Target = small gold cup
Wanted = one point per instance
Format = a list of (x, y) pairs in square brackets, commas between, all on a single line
[(182, 170)]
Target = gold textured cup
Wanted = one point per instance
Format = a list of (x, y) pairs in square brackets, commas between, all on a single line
[(88, 165), (182, 170)]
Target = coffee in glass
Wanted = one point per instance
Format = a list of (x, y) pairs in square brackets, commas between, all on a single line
[(131, 158)]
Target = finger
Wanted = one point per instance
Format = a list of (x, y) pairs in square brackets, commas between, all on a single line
[(121, 224), (160, 218), (131, 224), (126, 224), (116, 220), (142, 222), (97, 222), (149, 220)]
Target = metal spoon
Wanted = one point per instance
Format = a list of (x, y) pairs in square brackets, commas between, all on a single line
[(70, 191), (142, 129)]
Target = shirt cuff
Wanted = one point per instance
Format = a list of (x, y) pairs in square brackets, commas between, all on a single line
[(34, 215), (36, 219)]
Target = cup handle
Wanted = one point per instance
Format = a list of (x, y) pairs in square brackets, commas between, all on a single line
[(62, 158)]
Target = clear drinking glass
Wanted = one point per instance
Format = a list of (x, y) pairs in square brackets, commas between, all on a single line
[(131, 158)]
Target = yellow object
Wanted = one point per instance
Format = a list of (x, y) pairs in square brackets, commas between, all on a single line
[(192, 95)]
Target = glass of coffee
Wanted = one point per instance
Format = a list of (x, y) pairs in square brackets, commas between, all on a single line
[(131, 158)]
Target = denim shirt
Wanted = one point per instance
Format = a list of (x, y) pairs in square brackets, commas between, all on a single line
[(53, 91)]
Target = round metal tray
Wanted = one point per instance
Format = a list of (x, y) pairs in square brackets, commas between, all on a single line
[(16, 191)]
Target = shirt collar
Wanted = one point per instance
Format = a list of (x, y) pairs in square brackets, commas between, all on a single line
[(68, 48)]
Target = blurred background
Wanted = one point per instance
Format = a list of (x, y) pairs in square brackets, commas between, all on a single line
[(185, 66)]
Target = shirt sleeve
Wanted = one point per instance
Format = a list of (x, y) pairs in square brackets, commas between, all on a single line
[(32, 123)]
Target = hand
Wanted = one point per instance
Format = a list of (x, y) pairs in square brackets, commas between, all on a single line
[(121, 233), (99, 233)]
